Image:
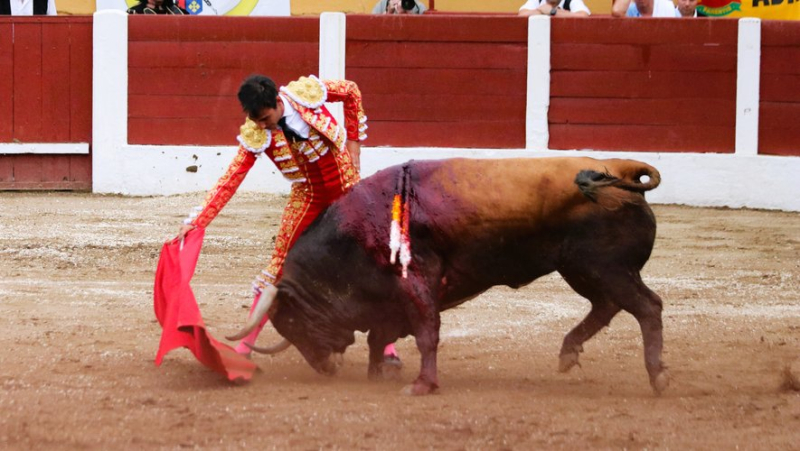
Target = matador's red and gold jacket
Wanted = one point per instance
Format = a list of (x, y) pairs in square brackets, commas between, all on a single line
[(308, 96)]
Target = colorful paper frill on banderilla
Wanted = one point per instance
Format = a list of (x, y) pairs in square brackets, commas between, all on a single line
[(399, 232), (177, 312)]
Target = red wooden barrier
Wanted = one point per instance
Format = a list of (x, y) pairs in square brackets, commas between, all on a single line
[(460, 81), (46, 73), (7, 84), (185, 72), (441, 81), (779, 110), (659, 85)]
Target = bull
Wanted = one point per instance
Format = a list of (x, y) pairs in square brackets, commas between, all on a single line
[(468, 225)]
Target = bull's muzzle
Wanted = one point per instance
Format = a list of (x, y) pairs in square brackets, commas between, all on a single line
[(329, 366)]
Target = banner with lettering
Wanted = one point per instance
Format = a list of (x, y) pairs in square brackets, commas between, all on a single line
[(233, 7), (764, 9)]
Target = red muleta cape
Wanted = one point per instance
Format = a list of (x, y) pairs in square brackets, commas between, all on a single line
[(177, 312)]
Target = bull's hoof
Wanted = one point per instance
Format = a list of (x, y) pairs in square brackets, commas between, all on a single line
[(791, 377), (337, 359), (660, 382), (567, 361), (418, 389), (374, 373), (391, 368)]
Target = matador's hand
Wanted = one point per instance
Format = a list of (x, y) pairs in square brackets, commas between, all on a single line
[(185, 228), (354, 149)]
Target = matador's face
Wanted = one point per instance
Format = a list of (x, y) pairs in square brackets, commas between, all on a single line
[(268, 117)]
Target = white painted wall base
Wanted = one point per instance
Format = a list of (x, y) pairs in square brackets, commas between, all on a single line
[(162, 170), (714, 180)]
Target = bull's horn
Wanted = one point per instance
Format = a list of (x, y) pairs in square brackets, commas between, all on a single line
[(274, 349), (262, 307)]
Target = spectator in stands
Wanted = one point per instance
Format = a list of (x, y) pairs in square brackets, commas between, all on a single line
[(157, 7), (644, 8), (687, 8), (28, 7), (399, 7), (562, 8)]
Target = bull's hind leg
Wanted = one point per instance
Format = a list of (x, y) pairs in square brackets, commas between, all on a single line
[(646, 307), (614, 290), (599, 317)]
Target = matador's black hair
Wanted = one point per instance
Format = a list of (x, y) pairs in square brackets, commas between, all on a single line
[(256, 93)]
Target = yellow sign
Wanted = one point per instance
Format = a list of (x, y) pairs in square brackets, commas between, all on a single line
[(764, 9)]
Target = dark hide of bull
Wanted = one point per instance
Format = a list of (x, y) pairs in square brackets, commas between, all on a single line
[(474, 224)]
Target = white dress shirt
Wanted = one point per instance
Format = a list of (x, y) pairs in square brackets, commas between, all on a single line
[(293, 119), (25, 7), (574, 6), (661, 8)]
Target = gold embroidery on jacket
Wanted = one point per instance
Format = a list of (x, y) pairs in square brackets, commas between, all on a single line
[(307, 91)]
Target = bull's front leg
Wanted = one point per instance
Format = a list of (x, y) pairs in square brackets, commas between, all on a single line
[(375, 358), (424, 315), (427, 343)]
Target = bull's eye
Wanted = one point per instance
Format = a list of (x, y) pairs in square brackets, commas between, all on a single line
[(644, 179)]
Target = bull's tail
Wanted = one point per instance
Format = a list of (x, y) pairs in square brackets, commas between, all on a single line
[(629, 178)]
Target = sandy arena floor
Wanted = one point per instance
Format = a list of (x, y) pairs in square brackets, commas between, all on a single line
[(79, 336)]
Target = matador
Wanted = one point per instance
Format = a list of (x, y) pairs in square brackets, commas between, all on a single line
[(292, 127)]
